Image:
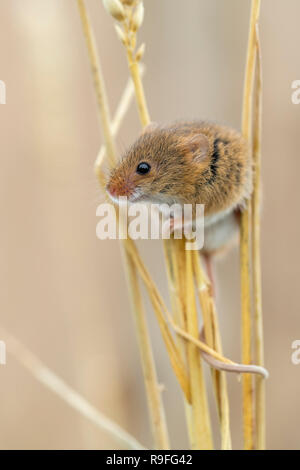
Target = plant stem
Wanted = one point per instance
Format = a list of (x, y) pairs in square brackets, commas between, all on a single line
[(156, 410), (201, 436), (117, 120), (256, 261), (139, 89), (213, 339), (98, 82), (160, 309), (248, 411)]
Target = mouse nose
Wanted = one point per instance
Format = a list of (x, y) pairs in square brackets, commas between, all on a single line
[(111, 190), (116, 190)]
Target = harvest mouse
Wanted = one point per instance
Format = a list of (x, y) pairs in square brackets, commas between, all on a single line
[(189, 163), (193, 162)]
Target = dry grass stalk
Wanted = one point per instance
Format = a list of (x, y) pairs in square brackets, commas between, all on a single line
[(53, 382), (161, 313), (98, 83), (248, 405), (121, 111), (213, 339), (256, 261), (153, 389), (184, 323), (201, 435), (156, 410), (132, 23), (176, 282)]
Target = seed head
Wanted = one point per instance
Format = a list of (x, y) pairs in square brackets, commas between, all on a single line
[(128, 2), (138, 17), (120, 34), (140, 52), (115, 9)]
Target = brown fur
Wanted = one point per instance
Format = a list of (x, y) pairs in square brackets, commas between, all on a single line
[(191, 163)]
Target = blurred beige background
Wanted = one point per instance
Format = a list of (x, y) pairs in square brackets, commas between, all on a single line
[(63, 291)]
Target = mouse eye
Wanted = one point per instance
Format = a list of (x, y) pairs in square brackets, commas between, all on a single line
[(143, 168)]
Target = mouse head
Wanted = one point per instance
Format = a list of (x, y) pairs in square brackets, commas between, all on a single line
[(161, 166)]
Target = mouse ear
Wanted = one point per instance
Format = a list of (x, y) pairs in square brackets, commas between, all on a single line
[(195, 147), (152, 126)]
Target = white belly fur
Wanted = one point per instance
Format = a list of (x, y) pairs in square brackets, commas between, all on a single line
[(219, 230)]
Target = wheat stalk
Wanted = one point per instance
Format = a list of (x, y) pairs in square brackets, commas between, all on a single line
[(213, 339), (256, 262), (117, 120), (245, 233)]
